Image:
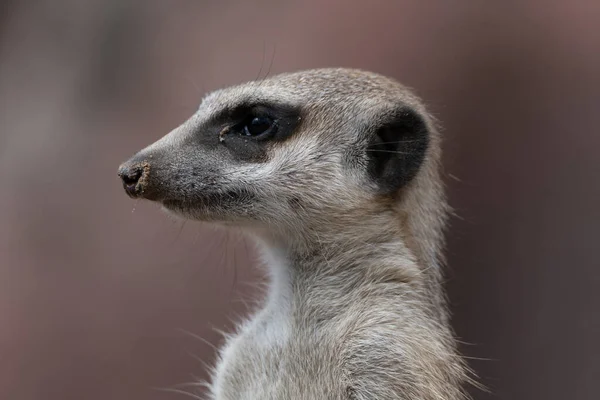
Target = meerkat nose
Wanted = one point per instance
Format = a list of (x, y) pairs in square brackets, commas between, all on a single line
[(131, 175)]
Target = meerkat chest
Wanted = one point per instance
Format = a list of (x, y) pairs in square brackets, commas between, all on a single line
[(271, 359), (357, 355)]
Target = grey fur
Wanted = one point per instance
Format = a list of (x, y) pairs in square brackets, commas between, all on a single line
[(356, 307)]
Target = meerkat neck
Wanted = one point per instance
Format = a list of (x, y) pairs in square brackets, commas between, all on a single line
[(378, 253), (381, 247)]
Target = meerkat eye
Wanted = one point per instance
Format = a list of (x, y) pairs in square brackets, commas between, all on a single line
[(259, 126)]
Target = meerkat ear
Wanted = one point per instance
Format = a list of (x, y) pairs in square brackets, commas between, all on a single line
[(397, 149)]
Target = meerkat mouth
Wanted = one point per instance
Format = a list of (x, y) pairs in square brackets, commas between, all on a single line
[(208, 201)]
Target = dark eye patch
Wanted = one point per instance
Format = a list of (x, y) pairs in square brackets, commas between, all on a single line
[(256, 127), (246, 131), (273, 122)]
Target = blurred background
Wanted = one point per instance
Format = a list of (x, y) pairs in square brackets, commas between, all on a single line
[(101, 297)]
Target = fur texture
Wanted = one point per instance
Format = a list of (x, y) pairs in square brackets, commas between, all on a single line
[(344, 197)]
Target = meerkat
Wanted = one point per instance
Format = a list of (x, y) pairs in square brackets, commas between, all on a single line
[(336, 175)]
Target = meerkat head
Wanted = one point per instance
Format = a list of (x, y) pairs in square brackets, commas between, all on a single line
[(291, 154)]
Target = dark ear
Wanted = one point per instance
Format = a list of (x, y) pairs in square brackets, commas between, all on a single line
[(397, 149)]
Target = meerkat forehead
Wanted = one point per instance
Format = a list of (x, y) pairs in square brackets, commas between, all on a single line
[(321, 90)]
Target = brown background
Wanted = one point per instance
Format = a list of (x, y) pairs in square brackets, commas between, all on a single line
[(96, 291)]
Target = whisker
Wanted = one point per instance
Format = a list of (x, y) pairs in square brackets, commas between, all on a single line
[(205, 365), (198, 384), (387, 151), (200, 338), (262, 63), (272, 59), (456, 178), (270, 64), (401, 141), (180, 231), (260, 82)]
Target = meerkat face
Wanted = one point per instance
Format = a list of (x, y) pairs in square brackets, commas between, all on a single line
[(294, 151)]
